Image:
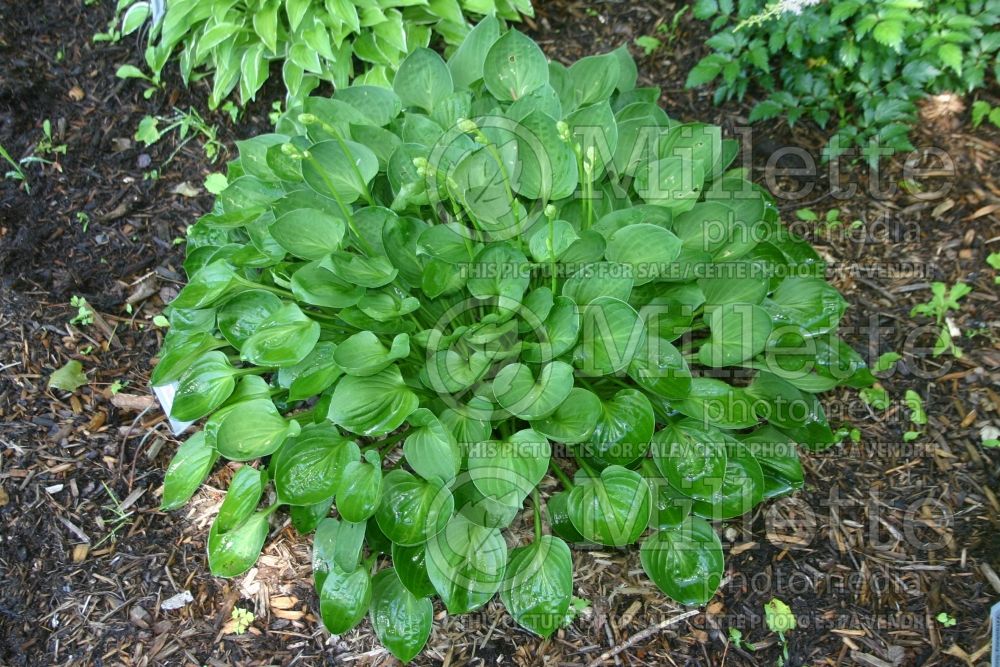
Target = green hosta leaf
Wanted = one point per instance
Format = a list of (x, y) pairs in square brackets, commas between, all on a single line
[(401, 620), (423, 80), (253, 429), (517, 390), (306, 518), (574, 420), (337, 543), (188, 469), (741, 488), (692, 458), (412, 509), (778, 457), (466, 564), (359, 492), (552, 240), (233, 552), (622, 434), (594, 78), (612, 509), (412, 570), (243, 315), (809, 302), (467, 63), (557, 508), (597, 280), (284, 338), (242, 497), (308, 469), (506, 471), (555, 335), (739, 331), (313, 374), (179, 352), (364, 354), (308, 233), (660, 368), (717, 403), (646, 249), (538, 585), (344, 598), (207, 286), (611, 333), (372, 405), (431, 449), (340, 169), (514, 67), (686, 562), (205, 386)]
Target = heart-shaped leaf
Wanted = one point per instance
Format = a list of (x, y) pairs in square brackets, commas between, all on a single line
[(612, 509), (253, 429), (517, 390), (359, 492), (308, 469), (686, 562), (401, 620), (624, 427), (538, 585), (466, 564), (506, 471), (412, 509), (372, 405)]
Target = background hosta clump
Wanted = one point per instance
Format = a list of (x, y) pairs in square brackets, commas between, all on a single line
[(235, 41), (412, 305)]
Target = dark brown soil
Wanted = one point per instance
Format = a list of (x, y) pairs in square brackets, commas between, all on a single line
[(885, 536)]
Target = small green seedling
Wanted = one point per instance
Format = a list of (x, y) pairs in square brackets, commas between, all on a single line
[(648, 44), (942, 301), (946, 619), (84, 315), (736, 637), (993, 259), (242, 619), (780, 619), (876, 396), (917, 414), (132, 72), (119, 517), (189, 124), (830, 222), (84, 219), (46, 145), (886, 362), (16, 174)]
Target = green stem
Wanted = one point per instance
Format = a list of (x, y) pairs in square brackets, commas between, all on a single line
[(587, 467), (267, 288), (560, 475)]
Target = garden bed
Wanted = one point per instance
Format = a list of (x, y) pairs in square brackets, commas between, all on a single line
[(87, 559)]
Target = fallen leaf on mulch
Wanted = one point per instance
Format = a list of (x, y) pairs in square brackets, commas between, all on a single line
[(68, 378), (185, 189), (182, 599), (76, 94), (4, 498)]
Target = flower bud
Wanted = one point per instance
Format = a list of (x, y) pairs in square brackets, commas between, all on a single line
[(466, 125)]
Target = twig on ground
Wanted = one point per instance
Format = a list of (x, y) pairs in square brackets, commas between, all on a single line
[(645, 634)]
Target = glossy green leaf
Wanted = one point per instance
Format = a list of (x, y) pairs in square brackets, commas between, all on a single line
[(253, 429), (187, 470), (466, 564), (506, 471), (622, 434), (423, 80), (372, 405), (308, 233), (538, 585), (686, 562), (364, 354), (206, 384), (401, 620), (241, 316), (359, 491), (284, 338), (412, 509), (520, 393), (412, 570), (308, 469), (514, 67), (612, 509), (739, 331), (233, 552), (611, 333), (574, 420), (430, 448)]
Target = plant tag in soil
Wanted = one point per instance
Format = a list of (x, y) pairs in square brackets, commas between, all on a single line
[(165, 395)]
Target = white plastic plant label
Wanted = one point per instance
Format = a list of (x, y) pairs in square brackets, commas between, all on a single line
[(165, 395)]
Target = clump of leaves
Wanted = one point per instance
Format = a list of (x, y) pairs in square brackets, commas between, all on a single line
[(415, 304), (314, 40), (944, 299), (858, 66)]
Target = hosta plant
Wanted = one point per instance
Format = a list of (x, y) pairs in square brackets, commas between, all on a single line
[(236, 41), (413, 307)]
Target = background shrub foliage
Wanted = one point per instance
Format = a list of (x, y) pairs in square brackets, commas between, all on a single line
[(411, 304), (235, 41), (861, 65)]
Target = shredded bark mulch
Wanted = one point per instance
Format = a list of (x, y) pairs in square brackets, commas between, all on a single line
[(886, 535)]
